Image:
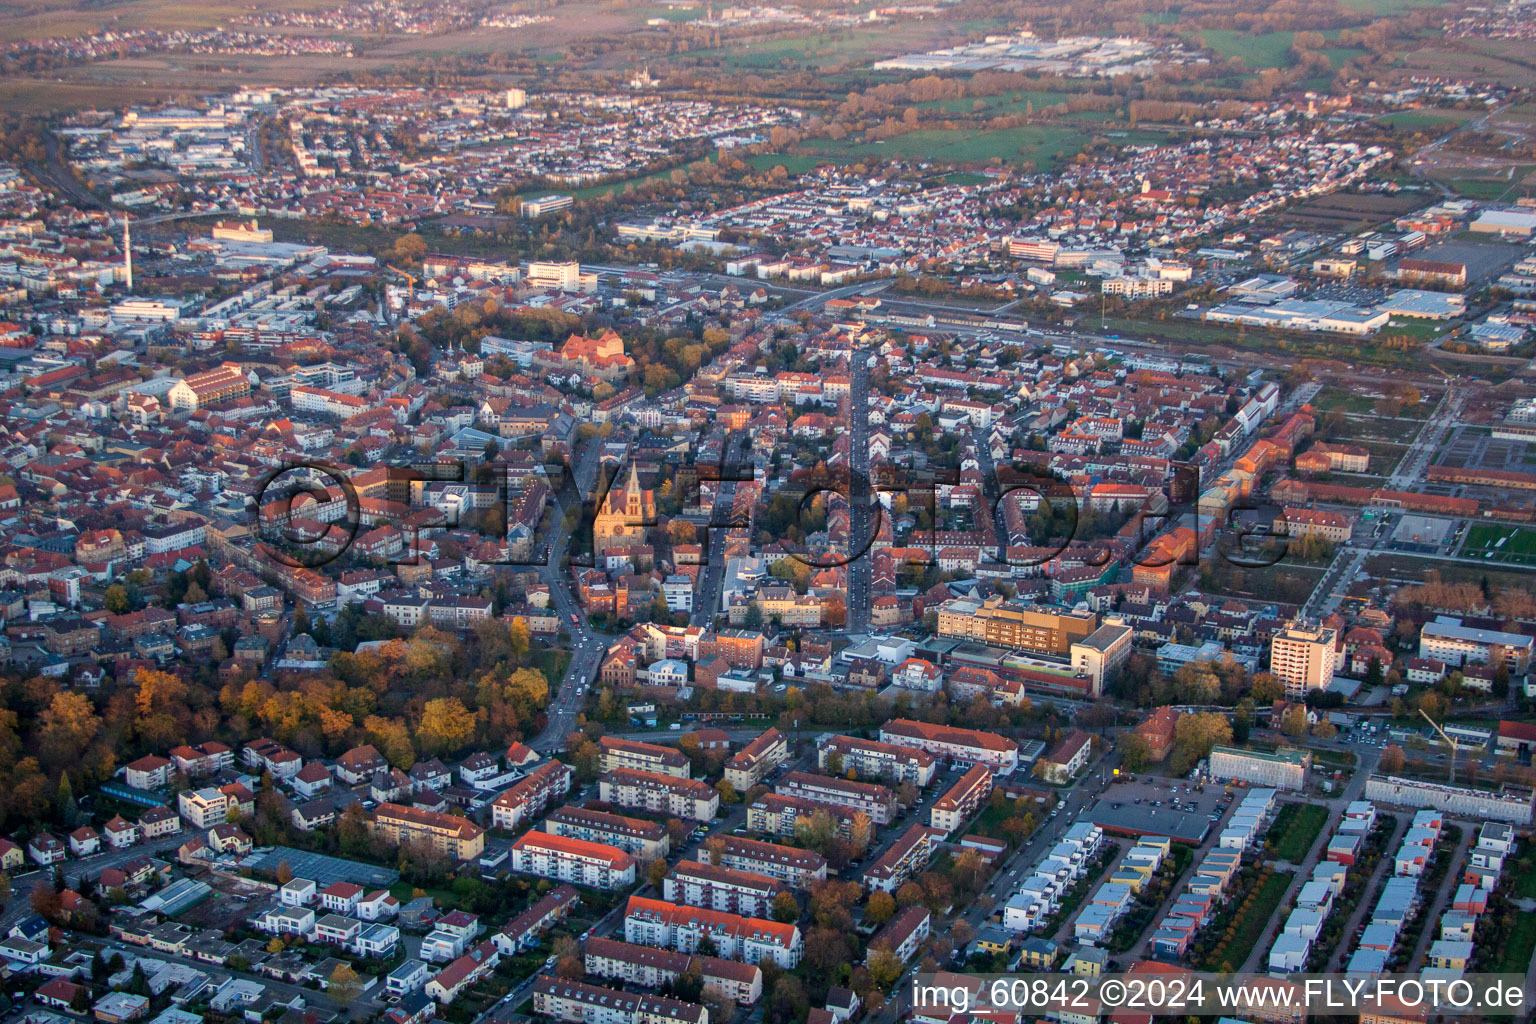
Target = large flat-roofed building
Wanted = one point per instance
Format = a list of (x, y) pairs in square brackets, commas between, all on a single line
[(1505, 222), (1286, 768), (1446, 639), (873, 759), (642, 757), (1101, 653), (659, 794), (752, 763), (1303, 656), (577, 861), (748, 939), (642, 839), (872, 799), (397, 825), (1513, 806), (796, 868), (649, 967), (962, 746), (997, 622), (700, 884)]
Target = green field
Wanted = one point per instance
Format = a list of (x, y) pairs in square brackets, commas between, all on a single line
[(1423, 118), (1387, 8), (1505, 185), (790, 162), (1483, 541), (997, 103), (1239, 930), (1262, 51), (1042, 145), (1515, 955), (1295, 829), (674, 13)]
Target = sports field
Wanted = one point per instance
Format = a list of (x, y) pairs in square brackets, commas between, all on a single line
[(1515, 545)]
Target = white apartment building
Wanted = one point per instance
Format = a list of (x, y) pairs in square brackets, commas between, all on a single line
[(1303, 656), (573, 860)]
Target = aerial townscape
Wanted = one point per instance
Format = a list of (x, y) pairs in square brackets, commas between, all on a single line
[(662, 512)]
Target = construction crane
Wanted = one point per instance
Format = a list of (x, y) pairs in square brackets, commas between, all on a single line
[(410, 281), (1448, 739)]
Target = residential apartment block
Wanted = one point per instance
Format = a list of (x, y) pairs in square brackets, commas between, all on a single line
[(873, 759), (659, 794), (749, 939), (530, 796), (644, 840), (870, 798), (752, 763), (397, 825), (701, 884), (1303, 656), (964, 798), (648, 967), (794, 867), (962, 746), (577, 861), (642, 757), (581, 1003)]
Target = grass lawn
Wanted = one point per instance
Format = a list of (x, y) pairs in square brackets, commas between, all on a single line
[(1518, 946), (1386, 8), (790, 162), (1423, 118), (1331, 398), (1247, 924), (1491, 188), (1262, 51), (1295, 829), (1041, 145), (1501, 544), (997, 103)]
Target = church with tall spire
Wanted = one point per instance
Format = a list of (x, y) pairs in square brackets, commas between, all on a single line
[(621, 522)]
